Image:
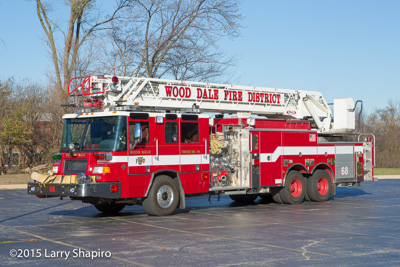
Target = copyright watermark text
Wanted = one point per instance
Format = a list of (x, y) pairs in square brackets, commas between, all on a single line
[(59, 254)]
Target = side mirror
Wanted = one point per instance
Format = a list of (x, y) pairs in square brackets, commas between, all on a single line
[(137, 134)]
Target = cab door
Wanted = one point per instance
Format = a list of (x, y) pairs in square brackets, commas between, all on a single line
[(190, 152), (166, 139), (140, 153)]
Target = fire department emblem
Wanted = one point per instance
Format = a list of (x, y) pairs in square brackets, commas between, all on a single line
[(140, 160)]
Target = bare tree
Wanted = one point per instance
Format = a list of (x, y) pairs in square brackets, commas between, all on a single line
[(84, 20), (175, 38), (385, 125), (5, 93)]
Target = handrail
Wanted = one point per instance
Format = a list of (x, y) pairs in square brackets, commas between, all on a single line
[(373, 143), (90, 85)]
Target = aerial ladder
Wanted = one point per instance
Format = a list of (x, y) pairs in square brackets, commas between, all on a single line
[(127, 93)]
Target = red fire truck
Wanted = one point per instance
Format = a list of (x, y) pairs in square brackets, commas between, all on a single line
[(154, 142)]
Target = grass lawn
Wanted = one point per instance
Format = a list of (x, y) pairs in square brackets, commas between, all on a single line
[(387, 171), (15, 178)]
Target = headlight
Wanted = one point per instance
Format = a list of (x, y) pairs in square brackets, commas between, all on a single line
[(101, 169), (98, 170), (55, 169)]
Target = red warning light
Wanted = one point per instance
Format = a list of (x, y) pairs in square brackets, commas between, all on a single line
[(114, 79)]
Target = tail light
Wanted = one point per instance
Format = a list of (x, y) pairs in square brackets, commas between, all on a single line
[(114, 188)]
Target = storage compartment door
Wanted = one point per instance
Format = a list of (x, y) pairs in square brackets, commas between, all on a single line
[(344, 163)]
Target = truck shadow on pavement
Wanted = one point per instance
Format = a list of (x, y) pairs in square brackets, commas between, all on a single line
[(342, 192), (197, 203)]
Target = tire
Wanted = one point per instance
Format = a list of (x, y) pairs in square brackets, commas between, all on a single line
[(295, 188), (163, 197), (333, 190), (319, 186), (109, 208), (243, 198), (275, 195)]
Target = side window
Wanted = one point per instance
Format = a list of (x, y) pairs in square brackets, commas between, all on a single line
[(171, 132), (145, 131), (189, 132), (254, 141)]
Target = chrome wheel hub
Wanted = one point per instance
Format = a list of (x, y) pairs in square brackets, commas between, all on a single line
[(165, 196)]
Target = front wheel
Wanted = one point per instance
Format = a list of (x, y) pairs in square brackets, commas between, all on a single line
[(163, 197), (295, 188)]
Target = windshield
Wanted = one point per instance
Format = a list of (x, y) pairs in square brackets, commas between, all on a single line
[(95, 134)]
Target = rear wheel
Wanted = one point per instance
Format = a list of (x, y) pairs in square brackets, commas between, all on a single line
[(333, 190), (243, 198), (163, 197), (319, 186), (109, 208), (295, 188)]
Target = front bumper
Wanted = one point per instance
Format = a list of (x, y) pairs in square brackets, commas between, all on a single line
[(97, 190)]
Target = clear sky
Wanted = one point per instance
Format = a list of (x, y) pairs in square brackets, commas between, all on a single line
[(339, 47)]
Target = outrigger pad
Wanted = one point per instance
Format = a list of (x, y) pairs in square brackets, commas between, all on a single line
[(53, 179)]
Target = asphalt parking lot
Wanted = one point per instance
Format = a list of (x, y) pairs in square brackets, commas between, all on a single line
[(359, 227)]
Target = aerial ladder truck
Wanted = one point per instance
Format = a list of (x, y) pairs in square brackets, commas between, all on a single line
[(154, 142)]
